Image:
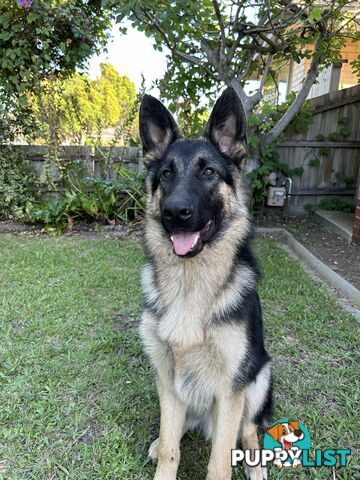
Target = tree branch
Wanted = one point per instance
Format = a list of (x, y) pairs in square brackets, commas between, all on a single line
[(222, 33), (245, 72), (154, 23), (211, 54), (297, 103), (272, 31), (233, 48), (266, 72), (214, 60), (237, 14), (174, 50), (195, 61), (273, 45), (255, 99), (255, 48), (249, 28)]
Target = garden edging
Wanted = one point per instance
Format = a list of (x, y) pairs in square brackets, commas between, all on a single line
[(326, 273)]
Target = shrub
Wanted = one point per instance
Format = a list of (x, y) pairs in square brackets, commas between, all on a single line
[(337, 204), (331, 204), (91, 198), (18, 182)]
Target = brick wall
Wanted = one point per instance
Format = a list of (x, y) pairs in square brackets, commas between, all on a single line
[(350, 52), (356, 227)]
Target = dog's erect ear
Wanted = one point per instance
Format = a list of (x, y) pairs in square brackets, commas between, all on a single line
[(274, 432), (157, 128), (226, 127)]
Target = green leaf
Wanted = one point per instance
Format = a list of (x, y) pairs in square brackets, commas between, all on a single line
[(32, 17), (315, 14)]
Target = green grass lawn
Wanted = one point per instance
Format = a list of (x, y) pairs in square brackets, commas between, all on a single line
[(77, 396)]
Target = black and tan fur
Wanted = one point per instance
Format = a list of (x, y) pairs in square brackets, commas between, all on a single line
[(201, 325)]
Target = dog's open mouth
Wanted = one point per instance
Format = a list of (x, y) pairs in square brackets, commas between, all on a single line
[(187, 242)]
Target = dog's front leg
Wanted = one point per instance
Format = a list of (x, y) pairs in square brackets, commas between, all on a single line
[(227, 413), (172, 421), (250, 441)]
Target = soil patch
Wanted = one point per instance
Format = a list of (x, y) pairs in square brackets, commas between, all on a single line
[(329, 247), (125, 322), (79, 229)]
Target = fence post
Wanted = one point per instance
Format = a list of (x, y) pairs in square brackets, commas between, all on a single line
[(356, 227), (335, 77)]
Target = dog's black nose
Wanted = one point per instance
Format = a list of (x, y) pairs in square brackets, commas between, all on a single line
[(177, 208), (298, 433)]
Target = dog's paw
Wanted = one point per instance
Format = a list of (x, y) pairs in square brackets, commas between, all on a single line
[(296, 463), (153, 453), (255, 473)]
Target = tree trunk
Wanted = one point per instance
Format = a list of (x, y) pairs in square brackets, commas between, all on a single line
[(250, 163)]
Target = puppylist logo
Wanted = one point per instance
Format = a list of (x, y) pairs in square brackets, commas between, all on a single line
[(287, 445), (288, 439)]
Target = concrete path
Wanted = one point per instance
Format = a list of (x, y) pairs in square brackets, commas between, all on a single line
[(340, 223)]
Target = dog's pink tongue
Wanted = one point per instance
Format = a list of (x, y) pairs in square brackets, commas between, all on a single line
[(184, 241)]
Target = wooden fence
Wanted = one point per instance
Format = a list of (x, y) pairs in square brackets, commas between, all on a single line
[(95, 159), (331, 165)]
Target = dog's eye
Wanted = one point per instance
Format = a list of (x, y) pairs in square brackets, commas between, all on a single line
[(166, 174), (208, 171)]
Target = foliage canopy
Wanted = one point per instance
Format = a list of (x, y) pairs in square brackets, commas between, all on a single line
[(80, 108), (40, 38), (211, 43)]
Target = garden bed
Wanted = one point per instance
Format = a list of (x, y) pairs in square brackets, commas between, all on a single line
[(329, 247), (332, 249), (91, 230)]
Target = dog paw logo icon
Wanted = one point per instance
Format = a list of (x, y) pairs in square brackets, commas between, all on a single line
[(287, 438)]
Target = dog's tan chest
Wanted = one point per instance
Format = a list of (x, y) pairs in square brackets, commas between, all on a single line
[(184, 342), (185, 298), (197, 370), (190, 296)]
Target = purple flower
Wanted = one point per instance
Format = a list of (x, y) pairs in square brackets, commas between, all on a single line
[(25, 3)]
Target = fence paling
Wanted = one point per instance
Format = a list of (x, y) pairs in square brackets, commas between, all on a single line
[(336, 167)]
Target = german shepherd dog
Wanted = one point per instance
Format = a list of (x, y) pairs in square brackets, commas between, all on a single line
[(201, 325)]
